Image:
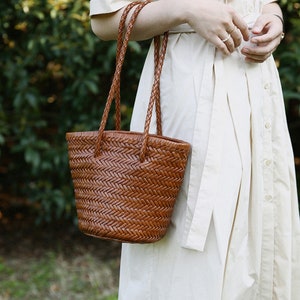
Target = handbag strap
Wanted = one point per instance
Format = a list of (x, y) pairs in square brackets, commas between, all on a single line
[(120, 42), (155, 93), (114, 92), (157, 99)]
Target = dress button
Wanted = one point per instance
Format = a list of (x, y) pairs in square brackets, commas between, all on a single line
[(268, 198), (266, 86), (268, 125), (268, 162)]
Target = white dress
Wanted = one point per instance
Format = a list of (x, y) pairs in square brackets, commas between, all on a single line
[(235, 232)]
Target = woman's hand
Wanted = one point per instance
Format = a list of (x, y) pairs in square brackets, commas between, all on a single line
[(269, 31), (217, 22)]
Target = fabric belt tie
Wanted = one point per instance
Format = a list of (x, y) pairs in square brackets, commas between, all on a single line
[(196, 231)]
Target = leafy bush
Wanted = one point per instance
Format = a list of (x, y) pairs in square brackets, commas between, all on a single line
[(288, 53), (55, 76), (288, 56)]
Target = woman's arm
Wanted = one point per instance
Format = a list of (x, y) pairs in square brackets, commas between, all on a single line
[(154, 19), (212, 20), (269, 27)]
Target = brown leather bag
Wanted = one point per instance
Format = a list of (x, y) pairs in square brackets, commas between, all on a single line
[(126, 183)]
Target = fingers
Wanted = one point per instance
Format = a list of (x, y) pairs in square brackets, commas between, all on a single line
[(235, 31), (268, 35), (257, 58), (241, 25), (260, 52), (236, 36), (230, 40), (219, 24)]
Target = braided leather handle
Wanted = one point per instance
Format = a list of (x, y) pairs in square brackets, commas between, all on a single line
[(155, 94), (114, 92), (120, 42)]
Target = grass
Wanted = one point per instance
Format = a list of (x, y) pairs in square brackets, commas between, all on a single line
[(54, 276), (39, 264)]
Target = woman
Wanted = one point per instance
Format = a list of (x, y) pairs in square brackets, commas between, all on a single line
[(235, 231)]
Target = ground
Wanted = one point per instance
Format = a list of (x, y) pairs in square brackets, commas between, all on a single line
[(53, 261)]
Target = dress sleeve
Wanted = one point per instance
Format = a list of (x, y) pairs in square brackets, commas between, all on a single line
[(107, 6)]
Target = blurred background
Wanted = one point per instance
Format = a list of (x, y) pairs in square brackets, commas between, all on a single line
[(54, 78)]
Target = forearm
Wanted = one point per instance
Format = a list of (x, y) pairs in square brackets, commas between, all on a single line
[(272, 8), (213, 20), (154, 19)]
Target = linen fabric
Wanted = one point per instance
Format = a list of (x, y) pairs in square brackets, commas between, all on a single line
[(235, 231)]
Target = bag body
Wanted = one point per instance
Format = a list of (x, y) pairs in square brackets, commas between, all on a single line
[(117, 196)]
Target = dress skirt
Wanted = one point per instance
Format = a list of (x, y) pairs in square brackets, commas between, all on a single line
[(235, 230)]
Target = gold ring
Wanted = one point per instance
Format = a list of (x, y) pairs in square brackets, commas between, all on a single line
[(227, 38), (233, 29)]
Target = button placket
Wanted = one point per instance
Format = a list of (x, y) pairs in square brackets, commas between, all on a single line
[(268, 151), (268, 217)]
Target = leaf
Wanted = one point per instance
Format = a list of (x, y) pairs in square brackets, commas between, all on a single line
[(32, 157), (92, 86)]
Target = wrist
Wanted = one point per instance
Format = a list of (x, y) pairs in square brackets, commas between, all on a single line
[(177, 11), (280, 18)]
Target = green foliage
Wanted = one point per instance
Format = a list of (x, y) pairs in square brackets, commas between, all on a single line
[(288, 52), (55, 75), (288, 56)]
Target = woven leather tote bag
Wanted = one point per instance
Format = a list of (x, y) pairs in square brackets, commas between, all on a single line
[(126, 183)]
